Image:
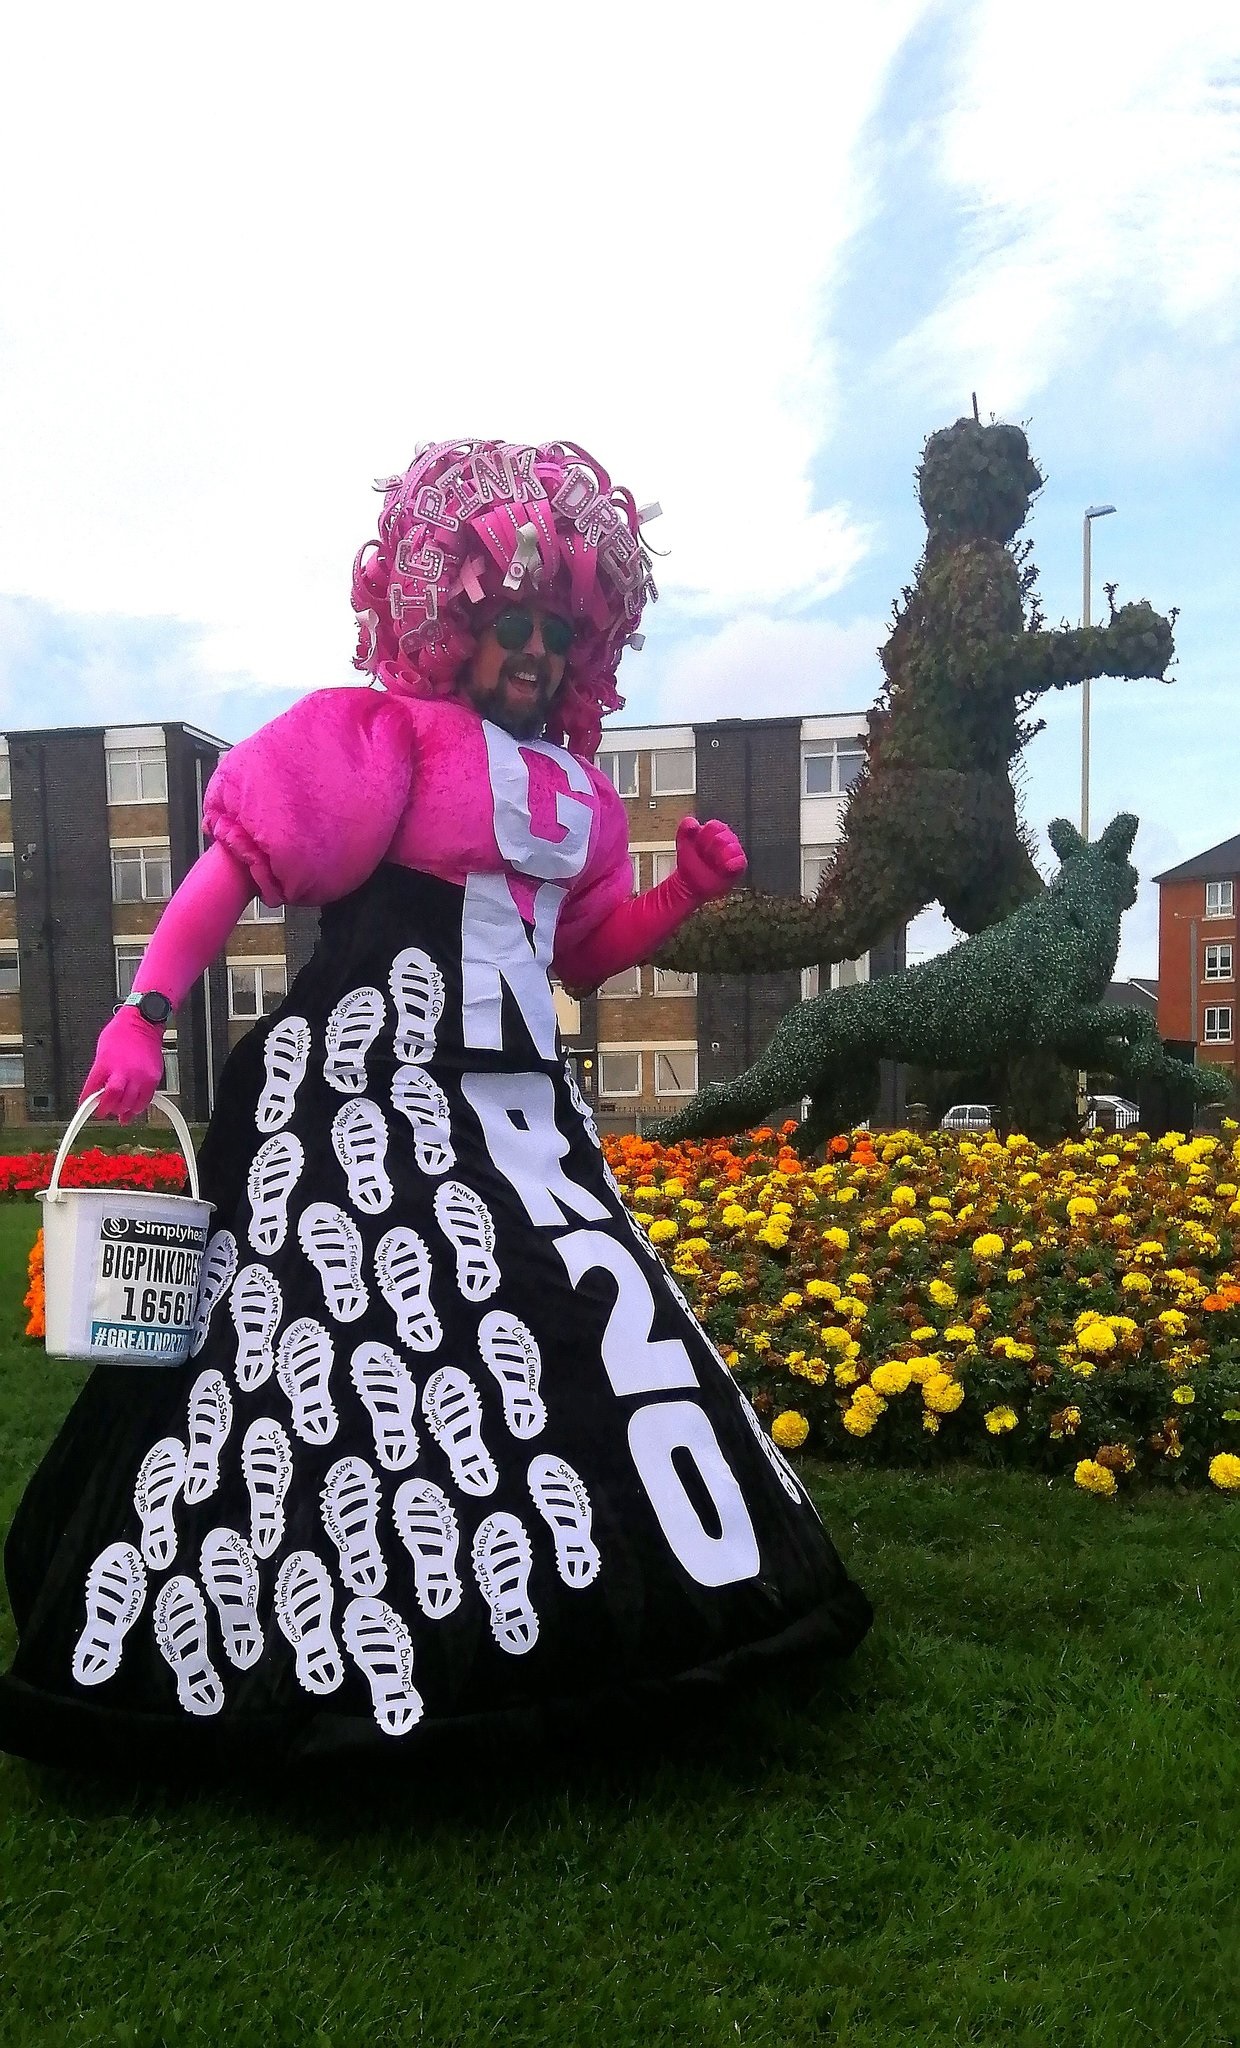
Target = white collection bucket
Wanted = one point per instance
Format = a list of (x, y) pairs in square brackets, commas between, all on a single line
[(121, 1267)]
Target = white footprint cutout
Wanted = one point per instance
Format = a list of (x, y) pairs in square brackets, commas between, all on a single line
[(469, 1227), (304, 1370), (333, 1245), (304, 1598), (562, 1501), (161, 1476), (352, 1029), (403, 1270), (360, 1142), (255, 1305), (417, 991), (286, 1055), (382, 1649), (423, 1103), (390, 1398), (274, 1172), (452, 1406), (512, 1357), (208, 1420), (502, 1559), (267, 1468), (181, 1634), (219, 1264), (229, 1572), (115, 1591), (427, 1527), (350, 1509)]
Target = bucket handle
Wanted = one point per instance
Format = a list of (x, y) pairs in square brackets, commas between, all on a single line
[(82, 1116)]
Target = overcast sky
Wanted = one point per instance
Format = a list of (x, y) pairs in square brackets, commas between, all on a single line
[(250, 256)]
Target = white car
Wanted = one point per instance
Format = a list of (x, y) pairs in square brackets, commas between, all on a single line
[(968, 1116), (1111, 1113)]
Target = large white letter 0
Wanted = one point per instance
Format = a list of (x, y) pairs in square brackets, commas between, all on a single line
[(655, 1432)]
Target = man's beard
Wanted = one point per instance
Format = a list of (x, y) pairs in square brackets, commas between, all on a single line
[(521, 708)]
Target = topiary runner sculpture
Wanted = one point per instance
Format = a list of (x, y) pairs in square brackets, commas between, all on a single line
[(933, 817), (1033, 983)]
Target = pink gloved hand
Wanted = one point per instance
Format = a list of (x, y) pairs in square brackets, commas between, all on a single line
[(129, 1066), (709, 858)]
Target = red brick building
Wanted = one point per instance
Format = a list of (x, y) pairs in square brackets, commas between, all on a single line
[(1197, 953)]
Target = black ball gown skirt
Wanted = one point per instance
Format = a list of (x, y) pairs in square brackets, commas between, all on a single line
[(450, 1447)]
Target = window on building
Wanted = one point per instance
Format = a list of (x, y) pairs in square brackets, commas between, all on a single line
[(10, 972), (847, 973), (256, 988), (12, 1067), (619, 1073), (667, 982), (137, 775), (8, 871), (141, 874), (672, 771), (675, 1073), (662, 865), (627, 983), (128, 961), (809, 983), (1218, 1024), (829, 767), (621, 771), (6, 775), (258, 912), (172, 1071), (814, 860), (1218, 963), (1219, 901)]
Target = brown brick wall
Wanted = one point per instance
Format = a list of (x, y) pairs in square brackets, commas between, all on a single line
[(8, 917), (138, 821)]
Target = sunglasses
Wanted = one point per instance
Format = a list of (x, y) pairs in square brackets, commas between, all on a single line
[(514, 629)]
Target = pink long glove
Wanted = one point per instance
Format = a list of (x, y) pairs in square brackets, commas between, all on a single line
[(710, 861), (129, 1053)]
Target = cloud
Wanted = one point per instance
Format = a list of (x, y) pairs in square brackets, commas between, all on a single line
[(760, 665)]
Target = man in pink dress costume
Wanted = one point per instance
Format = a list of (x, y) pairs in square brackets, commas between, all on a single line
[(451, 1448)]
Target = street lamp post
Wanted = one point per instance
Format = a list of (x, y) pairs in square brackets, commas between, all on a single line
[(1092, 512)]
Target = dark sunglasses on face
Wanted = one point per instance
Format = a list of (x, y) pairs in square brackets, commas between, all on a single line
[(514, 630)]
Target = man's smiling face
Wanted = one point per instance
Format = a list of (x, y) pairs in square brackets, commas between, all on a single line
[(514, 686)]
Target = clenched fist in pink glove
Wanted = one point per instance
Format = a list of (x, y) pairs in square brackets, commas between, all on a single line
[(709, 858), (129, 1066)]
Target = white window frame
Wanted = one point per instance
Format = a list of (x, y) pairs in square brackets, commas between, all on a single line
[(1217, 968), (862, 974), (1216, 1033), (611, 995), (13, 1049), (258, 912), (6, 774), (171, 1083), (606, 1052), (673, 788), (606, 755), (141, 758), (8, 951), (259, 966), (660, 980), (819, 857), (830, 750), (8, 853), (157, 850), (662, 864), (1224, 899), (679, 1052), (127, 947)]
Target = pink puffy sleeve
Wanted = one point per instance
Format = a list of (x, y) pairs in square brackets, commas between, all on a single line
[(309, 803)]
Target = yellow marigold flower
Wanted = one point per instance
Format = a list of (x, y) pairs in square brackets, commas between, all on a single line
[(859, 1421), (907, 1226), (988, 1246), (941, 1294), (673, 1187), (730, 1282), (846, 1375), (836, 1339), (904, 1197), (960, 1333), (1068, 1420), (642, 1217), (849, 1305), (1225, 1472), (1015, 1273), (792, 1300), (789, 1430), (1029, 1180), (869, 1397), (761, 1342), (1024, 1245), (1095, 1478), (860, 1283), (776, 1239), (1081, 1207), (822, 1290), (663, 1231), (838, 1239), (697, 1245), (1173, 1321), (1183, 1396), (939, 1202), (733, 1216), (814, 1369), (998, 1420), (942, 1393), (1108, 1159), (893, 1378), (1097, 1336), (924, 1334), (1136, 1282), (930, 1421)]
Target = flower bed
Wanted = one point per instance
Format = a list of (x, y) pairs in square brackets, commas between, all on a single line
[(926, 1296), (26, 1173)]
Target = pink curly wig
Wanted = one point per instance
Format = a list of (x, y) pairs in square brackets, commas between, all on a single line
[(472, 524)]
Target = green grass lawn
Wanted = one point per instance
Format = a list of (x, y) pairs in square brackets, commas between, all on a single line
[(1012, 1818)]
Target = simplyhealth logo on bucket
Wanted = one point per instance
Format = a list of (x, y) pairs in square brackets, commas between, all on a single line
[(145, 1286)]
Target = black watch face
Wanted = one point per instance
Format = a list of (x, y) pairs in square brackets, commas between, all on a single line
[(155, 1009)]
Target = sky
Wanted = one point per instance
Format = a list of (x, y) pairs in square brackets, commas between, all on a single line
[(749, 259)]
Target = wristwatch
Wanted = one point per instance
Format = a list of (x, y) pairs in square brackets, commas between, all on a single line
[(149, 1004)]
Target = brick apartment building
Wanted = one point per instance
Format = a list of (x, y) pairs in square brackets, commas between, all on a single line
[(98, 825), (1197, 954), (651, 1037)]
